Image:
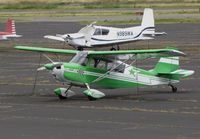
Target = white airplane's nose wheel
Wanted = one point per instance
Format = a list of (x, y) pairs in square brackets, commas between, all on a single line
[(174, 89)]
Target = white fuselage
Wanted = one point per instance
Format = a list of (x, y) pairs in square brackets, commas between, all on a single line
[(103, 36)]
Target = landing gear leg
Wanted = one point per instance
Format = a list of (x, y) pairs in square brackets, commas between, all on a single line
[(174, 89), (64, 97), (80, 48), (118, 47)]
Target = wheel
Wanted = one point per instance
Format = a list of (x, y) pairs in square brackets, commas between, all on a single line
[(61, 97), (174, 89), (91, 98), (112, 49)]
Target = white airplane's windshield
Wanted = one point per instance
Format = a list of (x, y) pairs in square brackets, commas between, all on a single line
[(86, 30)]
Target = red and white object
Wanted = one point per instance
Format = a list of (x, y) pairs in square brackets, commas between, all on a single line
[(10, 30)]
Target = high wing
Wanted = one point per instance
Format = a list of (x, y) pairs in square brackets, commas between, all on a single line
[(136, 54), (113, 55), (49, 50)]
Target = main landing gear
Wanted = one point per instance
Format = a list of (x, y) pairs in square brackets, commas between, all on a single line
[(61, 97), (174, 89), (91, 98), (114, 49)]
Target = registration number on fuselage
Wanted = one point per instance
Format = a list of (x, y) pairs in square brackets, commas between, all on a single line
[(124, 33)]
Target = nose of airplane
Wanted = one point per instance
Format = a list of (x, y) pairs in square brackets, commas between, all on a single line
[(49, 66)]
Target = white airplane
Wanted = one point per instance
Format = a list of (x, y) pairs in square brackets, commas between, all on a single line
[(10, 31), (94, 36)]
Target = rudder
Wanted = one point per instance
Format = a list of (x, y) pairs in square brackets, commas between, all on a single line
[(10, 27), (148, 21)]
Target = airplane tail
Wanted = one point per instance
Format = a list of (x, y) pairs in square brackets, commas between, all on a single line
[(10, 27), (148, 25), (148, 22), (148, 18), (170, 66), (167, 65)]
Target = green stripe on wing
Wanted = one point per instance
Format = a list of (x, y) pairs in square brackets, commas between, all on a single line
[(50, 50), (145, 53)]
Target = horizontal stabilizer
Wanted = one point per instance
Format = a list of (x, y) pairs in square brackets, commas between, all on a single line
[(183, 73), (154, 34), (54, 38)]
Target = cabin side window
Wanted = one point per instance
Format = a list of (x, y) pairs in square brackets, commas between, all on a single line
[(96, 63), (116, 67), (84, 62), (99, 31), (105, 31)]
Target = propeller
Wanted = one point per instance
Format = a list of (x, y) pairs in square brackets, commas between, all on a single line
[(36, 76), (49, 66)]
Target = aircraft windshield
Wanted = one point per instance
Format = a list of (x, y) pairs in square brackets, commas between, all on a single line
[(86, 30), (80, 58)]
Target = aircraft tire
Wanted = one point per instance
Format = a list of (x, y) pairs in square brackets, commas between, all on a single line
[(61, 97), (112, 49), (91, 98), (174, 89)]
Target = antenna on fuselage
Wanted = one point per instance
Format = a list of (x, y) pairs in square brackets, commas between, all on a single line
[(137, 89)]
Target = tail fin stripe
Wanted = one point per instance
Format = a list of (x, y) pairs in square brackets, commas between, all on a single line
[(169, 61)]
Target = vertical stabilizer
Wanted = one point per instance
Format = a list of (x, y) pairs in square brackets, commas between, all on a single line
[(148, 18), (167, 65), (10, 27), (148, 22)]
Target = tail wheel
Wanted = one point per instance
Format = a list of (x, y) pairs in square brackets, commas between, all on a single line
[(174, 89)]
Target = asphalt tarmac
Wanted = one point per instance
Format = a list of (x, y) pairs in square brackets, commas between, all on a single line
[(146, 112)]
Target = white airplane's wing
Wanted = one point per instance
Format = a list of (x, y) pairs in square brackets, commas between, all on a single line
[(54, 38), (3, 37)]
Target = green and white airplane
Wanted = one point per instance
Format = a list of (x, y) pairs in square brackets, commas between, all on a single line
[(108, 69)]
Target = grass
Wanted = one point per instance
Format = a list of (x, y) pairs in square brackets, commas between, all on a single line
[(87, 13), (104, 4), (157, 21)]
